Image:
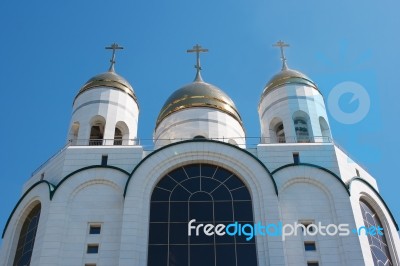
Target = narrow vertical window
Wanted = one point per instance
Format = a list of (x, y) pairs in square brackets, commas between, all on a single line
[(96, 135), (117, 136), (104, 160), (301, 129), (280, 133), (357, 172), (27, 237), (296, 158)]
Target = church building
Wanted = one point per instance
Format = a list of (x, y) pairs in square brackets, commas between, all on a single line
[(202, 196)]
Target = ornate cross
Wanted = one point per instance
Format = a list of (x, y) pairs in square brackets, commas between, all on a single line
[(113, 47), (282, 45), (197, 49)]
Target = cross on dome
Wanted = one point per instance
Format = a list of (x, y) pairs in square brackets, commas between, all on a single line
[(113, 47), (282, 45), (197, 49)]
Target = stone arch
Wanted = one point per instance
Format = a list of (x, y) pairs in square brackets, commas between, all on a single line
[(97, 128), (302, 125), (121, 133), (277, 131), (146, 175)]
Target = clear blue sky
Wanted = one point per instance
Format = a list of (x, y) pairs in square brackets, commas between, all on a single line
[(49, 49)]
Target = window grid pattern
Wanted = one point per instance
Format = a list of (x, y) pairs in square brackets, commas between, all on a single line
[(378, 245), (27, 236), (209, 194)]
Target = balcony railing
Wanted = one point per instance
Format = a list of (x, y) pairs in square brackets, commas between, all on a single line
[(149, 144), (234, 140)]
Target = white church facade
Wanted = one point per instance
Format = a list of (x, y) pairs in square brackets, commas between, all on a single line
[(201, 196)]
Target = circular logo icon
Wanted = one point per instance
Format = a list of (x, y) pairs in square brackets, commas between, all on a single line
[(359, 94)]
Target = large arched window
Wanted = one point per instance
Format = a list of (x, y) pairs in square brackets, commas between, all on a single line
[(27, 238), (378, 244), (211, 195)]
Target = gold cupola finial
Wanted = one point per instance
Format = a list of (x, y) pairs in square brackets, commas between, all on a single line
[(282, 45), (197, 49), (113, 47)]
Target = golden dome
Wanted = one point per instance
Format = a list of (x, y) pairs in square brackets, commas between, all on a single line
[(108, 79), (287, 76), (198, 94)]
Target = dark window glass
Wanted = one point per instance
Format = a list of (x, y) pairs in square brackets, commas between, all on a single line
[(192, 170), (201, 255), (180, 194), (221, 193), (312, 264), (208, 170), (178, 255), (158, 255), (243, 211), (92, 249), (104, 160), (309, 246), (178, 233), (94, 229), (224, 255), (159, 211), (179, 212), (209, 184), (192, 185), (296, 158), (158, 233), (378, 245), (27, 237), (246, 254), (210, 195), (223, 211)]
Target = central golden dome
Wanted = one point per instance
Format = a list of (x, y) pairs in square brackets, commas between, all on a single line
[(198, 94)]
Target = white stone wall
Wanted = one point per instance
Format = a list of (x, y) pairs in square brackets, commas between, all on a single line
[(277, 155), (347, 168), (207, 122), (282, 103), (96, 195), (112, 105), (308, 193), (76, 157)]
